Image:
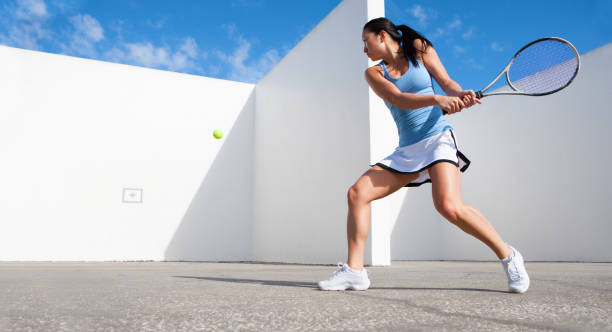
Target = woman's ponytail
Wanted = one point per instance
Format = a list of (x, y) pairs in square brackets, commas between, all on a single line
[(408, 37)]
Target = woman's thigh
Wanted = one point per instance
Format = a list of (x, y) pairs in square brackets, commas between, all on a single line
[(445, 185), (378, 182)]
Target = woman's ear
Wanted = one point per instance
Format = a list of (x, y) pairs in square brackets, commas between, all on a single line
[(382, 35)]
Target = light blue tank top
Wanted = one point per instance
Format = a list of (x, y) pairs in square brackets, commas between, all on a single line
[(417, 124)]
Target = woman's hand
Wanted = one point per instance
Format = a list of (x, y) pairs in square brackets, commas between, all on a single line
[(469, 98), (450, 104)]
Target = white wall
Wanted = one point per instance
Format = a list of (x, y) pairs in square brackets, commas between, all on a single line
[(539, 173), (383, 140), (311, 142), (75, 132)]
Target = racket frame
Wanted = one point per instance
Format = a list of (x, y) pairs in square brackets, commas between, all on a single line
[(480, 94)]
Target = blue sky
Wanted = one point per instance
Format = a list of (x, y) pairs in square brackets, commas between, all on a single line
[(243, 39)]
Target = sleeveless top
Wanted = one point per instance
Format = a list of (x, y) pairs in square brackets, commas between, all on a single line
[(420, 123)]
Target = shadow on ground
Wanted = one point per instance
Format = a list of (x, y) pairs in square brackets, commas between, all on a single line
[(315, 286)]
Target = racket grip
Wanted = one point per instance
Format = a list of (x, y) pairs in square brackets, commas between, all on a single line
[(478, 95)]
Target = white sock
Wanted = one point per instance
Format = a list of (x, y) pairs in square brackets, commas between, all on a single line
[(351, 269), (505, 260)]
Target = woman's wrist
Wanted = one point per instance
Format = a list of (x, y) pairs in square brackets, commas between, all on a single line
[(437, 99), (453, 89)]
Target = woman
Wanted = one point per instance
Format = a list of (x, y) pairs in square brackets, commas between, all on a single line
[(427, 150)]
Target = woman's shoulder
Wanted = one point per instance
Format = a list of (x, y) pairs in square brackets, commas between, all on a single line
[(376, 69), (422, 46)]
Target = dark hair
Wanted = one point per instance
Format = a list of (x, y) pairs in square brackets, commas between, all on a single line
[(405, 39)]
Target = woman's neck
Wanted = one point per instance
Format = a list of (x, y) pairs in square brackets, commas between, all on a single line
[(395, 59)]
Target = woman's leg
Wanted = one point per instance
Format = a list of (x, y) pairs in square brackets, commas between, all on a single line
[(374, 184), (446, 190)]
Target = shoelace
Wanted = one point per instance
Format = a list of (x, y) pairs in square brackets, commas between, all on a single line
[(513, 273), (339, 271)]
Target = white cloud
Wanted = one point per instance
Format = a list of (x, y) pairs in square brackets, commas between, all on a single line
[(230, 29), (475, 64), (85, 33), (418, 12), (117, 27), (214, 70), (28, 9), (496, 47), (447, 29), (157, 24), (27, 35), (459, 49), (468, 34), (454, 24), (87, 26), (24, 23), (439, 32), (148, 55), (65, 6), (423, 15), (241, 68), (189, 47)]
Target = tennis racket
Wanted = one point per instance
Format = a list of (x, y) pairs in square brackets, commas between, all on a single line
[(540, 68)]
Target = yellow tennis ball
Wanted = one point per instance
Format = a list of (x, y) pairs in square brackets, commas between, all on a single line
[(217, 133)]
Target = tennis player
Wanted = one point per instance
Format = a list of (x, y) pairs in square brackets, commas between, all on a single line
[(427, 150)]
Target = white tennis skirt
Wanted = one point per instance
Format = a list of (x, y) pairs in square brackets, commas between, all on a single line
[(417, 157)]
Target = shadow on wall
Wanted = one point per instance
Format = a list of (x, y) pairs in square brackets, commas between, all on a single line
[(217, 224), (417, 224)]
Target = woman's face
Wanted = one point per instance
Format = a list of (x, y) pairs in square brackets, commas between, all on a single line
[(372, 45)]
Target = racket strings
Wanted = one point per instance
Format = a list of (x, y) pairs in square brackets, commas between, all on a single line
[(543, 67)]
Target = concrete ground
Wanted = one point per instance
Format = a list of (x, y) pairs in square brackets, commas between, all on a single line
[(166, 296)]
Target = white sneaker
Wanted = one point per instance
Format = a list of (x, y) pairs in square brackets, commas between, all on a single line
[(514, 265), (346, 278)]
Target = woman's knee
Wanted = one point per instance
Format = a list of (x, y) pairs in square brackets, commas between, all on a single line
[(358, 194), (449, 209)]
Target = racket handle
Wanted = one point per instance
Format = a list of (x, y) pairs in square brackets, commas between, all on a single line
[(478, 95)]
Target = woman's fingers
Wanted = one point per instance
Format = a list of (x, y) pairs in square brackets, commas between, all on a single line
[(458, 104), (465, 99), (461, 103), (470, 99), (476, 99)]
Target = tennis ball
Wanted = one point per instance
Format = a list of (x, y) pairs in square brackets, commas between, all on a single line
[(217, 133)]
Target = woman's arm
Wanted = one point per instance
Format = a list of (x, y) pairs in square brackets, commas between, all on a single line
[(436, 69), (405, 100), (389, 92)]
